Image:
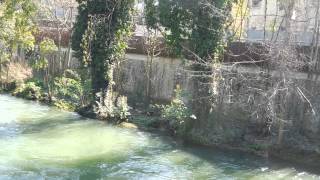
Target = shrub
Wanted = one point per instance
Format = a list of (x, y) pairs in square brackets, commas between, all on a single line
[(68, 90), (176, 112), (71, 74), (112, 107), (62, 104), (121, 110), (29, 90), (36, 81)]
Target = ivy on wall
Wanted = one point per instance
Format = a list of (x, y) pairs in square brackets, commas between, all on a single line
[(196, 25), (100, 40)]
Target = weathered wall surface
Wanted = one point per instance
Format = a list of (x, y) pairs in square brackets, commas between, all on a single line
[(229, 123), (166, 74), (232, 124)]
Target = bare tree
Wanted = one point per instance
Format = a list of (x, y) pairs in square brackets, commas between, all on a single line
[(152, 46), (264, 77), (58, 16)]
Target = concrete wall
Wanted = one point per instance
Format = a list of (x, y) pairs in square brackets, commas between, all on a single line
[(229, 123), (166, 74)]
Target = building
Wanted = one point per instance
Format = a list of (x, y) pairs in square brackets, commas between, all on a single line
[(271, 19)]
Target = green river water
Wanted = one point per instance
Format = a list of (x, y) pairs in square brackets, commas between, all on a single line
[(41, 142)]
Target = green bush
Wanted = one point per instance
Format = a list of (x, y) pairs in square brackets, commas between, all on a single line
[(29, 90), (68, 90), (177, 113), (71, 74), (36, 81), (62, 104)]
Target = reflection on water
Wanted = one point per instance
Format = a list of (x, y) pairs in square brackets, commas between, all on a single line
[(40, 142)]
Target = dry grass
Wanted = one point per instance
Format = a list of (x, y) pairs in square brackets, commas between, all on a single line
[(16, 72)]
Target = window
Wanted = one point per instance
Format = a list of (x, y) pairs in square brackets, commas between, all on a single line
[(256, 3)]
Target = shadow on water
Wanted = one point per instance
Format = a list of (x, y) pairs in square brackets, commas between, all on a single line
[(232, 164), (248, 160)]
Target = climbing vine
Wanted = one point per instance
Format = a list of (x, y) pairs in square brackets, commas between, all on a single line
[(195, 26), (195, 31), (100, 40)]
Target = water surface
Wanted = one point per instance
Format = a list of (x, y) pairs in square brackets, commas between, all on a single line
[(41, 142)]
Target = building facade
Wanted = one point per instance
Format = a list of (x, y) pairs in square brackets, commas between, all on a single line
[(273, 19)]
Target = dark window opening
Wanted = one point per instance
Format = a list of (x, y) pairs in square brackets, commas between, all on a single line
[(256, 3)]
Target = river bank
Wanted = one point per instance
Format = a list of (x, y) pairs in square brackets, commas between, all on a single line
[(227, 128), (142, 119), (228, 125)]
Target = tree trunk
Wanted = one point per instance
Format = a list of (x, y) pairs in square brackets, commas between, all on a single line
[(59, 51), (7, 76), (69, 55), (1, 83), (265, 19)]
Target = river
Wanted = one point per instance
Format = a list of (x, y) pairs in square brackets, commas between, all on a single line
[(41, 142)]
